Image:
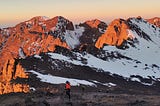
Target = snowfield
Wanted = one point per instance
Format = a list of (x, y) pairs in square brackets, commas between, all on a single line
[(114, 67), (60, 80)]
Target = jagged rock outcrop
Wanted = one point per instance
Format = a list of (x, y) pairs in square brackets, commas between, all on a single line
[(93, 30), (121, 33), (4, 34), (155, 21), (115, 34), (9, 88), (11, 71), (96, 24)]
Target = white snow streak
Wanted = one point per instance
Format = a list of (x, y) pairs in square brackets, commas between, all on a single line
[(60, 80)]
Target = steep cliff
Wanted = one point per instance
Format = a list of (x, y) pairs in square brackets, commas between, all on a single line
[(11, 71), (115, 34)]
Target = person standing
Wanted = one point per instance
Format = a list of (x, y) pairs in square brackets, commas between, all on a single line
[(68, 89)]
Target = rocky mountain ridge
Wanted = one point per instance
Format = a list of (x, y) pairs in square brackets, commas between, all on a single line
[(89, 41), (155, 21)]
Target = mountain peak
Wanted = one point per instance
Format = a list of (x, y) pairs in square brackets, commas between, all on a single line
[(155, 21), (93, 23), (41, 18), (115, 34), (60, 17)]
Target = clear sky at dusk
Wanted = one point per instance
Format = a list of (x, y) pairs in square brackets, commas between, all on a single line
[(15, 11)]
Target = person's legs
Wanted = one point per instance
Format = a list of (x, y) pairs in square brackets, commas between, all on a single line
[(68, 93)]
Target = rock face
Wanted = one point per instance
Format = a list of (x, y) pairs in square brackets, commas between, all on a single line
[(11, 71), (34, 36), (25, 39), (93, 30), (119, 34), (115, 34), (95, 24), (155, 21)]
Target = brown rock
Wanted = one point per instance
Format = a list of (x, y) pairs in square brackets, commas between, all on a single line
[(93, 23), (12, 70), (155, 21), (115, 34)]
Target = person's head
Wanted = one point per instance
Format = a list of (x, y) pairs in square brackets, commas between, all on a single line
[(67, 82)]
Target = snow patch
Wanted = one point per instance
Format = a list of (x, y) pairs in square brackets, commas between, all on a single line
[(135, 79), (106, 84), (148, 84), (37, 56), (131, 34), (110, 84), (21, 53), (32, 89), (72, 37), (45, 18), (138, 80), (60, 80), (101, 30)]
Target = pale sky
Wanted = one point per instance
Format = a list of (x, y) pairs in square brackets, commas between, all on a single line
[(16, 11)]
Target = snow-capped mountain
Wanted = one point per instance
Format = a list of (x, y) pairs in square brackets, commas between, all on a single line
[(123, 54), (135, 48)]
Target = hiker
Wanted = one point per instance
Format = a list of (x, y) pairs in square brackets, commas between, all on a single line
[(68, 88)]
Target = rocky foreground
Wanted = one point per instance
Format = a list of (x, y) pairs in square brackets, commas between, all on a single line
[(89, 97)]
